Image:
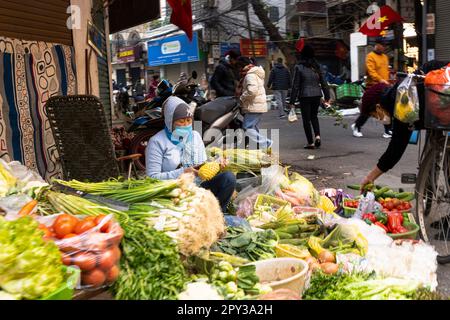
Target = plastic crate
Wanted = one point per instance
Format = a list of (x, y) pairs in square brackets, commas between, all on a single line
[(437, 107), (349, 91), (348, 212), (264, 199), (66, 291), (412, 234)]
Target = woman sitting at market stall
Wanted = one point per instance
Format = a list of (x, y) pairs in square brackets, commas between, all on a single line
[(179, 149)]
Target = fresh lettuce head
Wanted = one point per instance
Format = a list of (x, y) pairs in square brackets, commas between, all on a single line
[(30, 267)]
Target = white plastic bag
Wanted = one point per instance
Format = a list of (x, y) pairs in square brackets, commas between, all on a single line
[(292, 115), (367, 204)]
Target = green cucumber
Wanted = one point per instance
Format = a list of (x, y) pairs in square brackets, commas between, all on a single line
[(288, 229), (409, 197), (403, 195), (354, 187), (294, 242), (380, 192), (284, 235), (389, 194)]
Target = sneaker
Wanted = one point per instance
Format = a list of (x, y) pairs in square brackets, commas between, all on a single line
[(282, 117), (387, 135), (356, 132)]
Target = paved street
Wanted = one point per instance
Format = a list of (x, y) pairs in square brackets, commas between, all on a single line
[(343, 159)]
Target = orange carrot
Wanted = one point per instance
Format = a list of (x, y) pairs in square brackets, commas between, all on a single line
[(28, 208)]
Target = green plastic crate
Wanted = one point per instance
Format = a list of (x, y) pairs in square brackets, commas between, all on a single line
[(264, 199), (66, 291), (412, 234), (349, 91), (348, 212)]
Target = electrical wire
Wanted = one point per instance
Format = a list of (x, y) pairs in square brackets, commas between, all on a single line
[(233, 21)]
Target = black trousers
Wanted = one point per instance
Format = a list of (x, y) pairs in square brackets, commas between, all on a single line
[(362, 119), (310, 109)]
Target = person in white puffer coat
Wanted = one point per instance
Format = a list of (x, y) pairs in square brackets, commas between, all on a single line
[(253, 100)]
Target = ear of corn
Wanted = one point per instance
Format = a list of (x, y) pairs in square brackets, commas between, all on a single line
[(208, 171)]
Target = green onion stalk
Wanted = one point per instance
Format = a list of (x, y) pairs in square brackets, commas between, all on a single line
[(78, 206), (130, 191)]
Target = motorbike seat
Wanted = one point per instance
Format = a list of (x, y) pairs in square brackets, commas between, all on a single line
[(213, 110)]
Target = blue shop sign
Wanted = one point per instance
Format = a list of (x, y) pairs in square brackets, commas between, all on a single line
[(172, 50), (226, 46)]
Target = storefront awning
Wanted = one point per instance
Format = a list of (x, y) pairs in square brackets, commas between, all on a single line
[(168, 30), (125, 14)]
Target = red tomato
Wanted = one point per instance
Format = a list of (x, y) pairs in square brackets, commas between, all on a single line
[(117, 253), (95, 241), (94, 278), (99, 218), (389, 205), (85, 260), (67, 259), (63, 228), (105, 228), (408, 205), (112, 274), (65, 218), (106, 260), (70, 235), (84, 226), (116, 237)]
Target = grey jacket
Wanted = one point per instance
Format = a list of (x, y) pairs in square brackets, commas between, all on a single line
[(162, 157), (308, 83)]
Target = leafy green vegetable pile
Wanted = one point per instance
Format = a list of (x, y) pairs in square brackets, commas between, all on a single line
[(360, 286), (151, 268), (30, 267), (248, 244)]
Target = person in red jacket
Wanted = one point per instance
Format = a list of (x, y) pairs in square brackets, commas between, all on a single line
[(153, 86)]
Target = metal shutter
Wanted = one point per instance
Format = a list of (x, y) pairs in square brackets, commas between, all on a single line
[(103, 66), (39, 20), (442, 30)]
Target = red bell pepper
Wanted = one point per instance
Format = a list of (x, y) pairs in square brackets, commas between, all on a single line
[(370, 216), (378, 223), (394, 222), (402, 230)]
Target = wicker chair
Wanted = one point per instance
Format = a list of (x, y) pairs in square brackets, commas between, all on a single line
[(83, 139)]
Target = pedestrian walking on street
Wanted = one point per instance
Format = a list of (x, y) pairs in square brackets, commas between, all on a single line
[(253, 100), (280, 82), (308, 86), (377, 64), (224, 80)]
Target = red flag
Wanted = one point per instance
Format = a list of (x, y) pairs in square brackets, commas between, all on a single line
[(182, 15), (379, 21), (300, 45)]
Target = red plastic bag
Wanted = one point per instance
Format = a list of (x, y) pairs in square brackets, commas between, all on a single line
[(89, 243)]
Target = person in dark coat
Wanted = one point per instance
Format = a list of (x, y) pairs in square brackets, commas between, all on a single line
[(280, 83), (308, 86), (224, 78), (401, 131)]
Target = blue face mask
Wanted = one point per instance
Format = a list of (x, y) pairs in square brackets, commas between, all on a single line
[(181, 134)]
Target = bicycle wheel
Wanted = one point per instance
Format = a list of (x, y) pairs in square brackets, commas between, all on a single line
[(433, 201)]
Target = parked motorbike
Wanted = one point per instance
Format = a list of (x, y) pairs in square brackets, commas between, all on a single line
[(216, 116)]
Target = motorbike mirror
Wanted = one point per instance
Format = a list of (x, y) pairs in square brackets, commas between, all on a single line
[(194, 74)]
